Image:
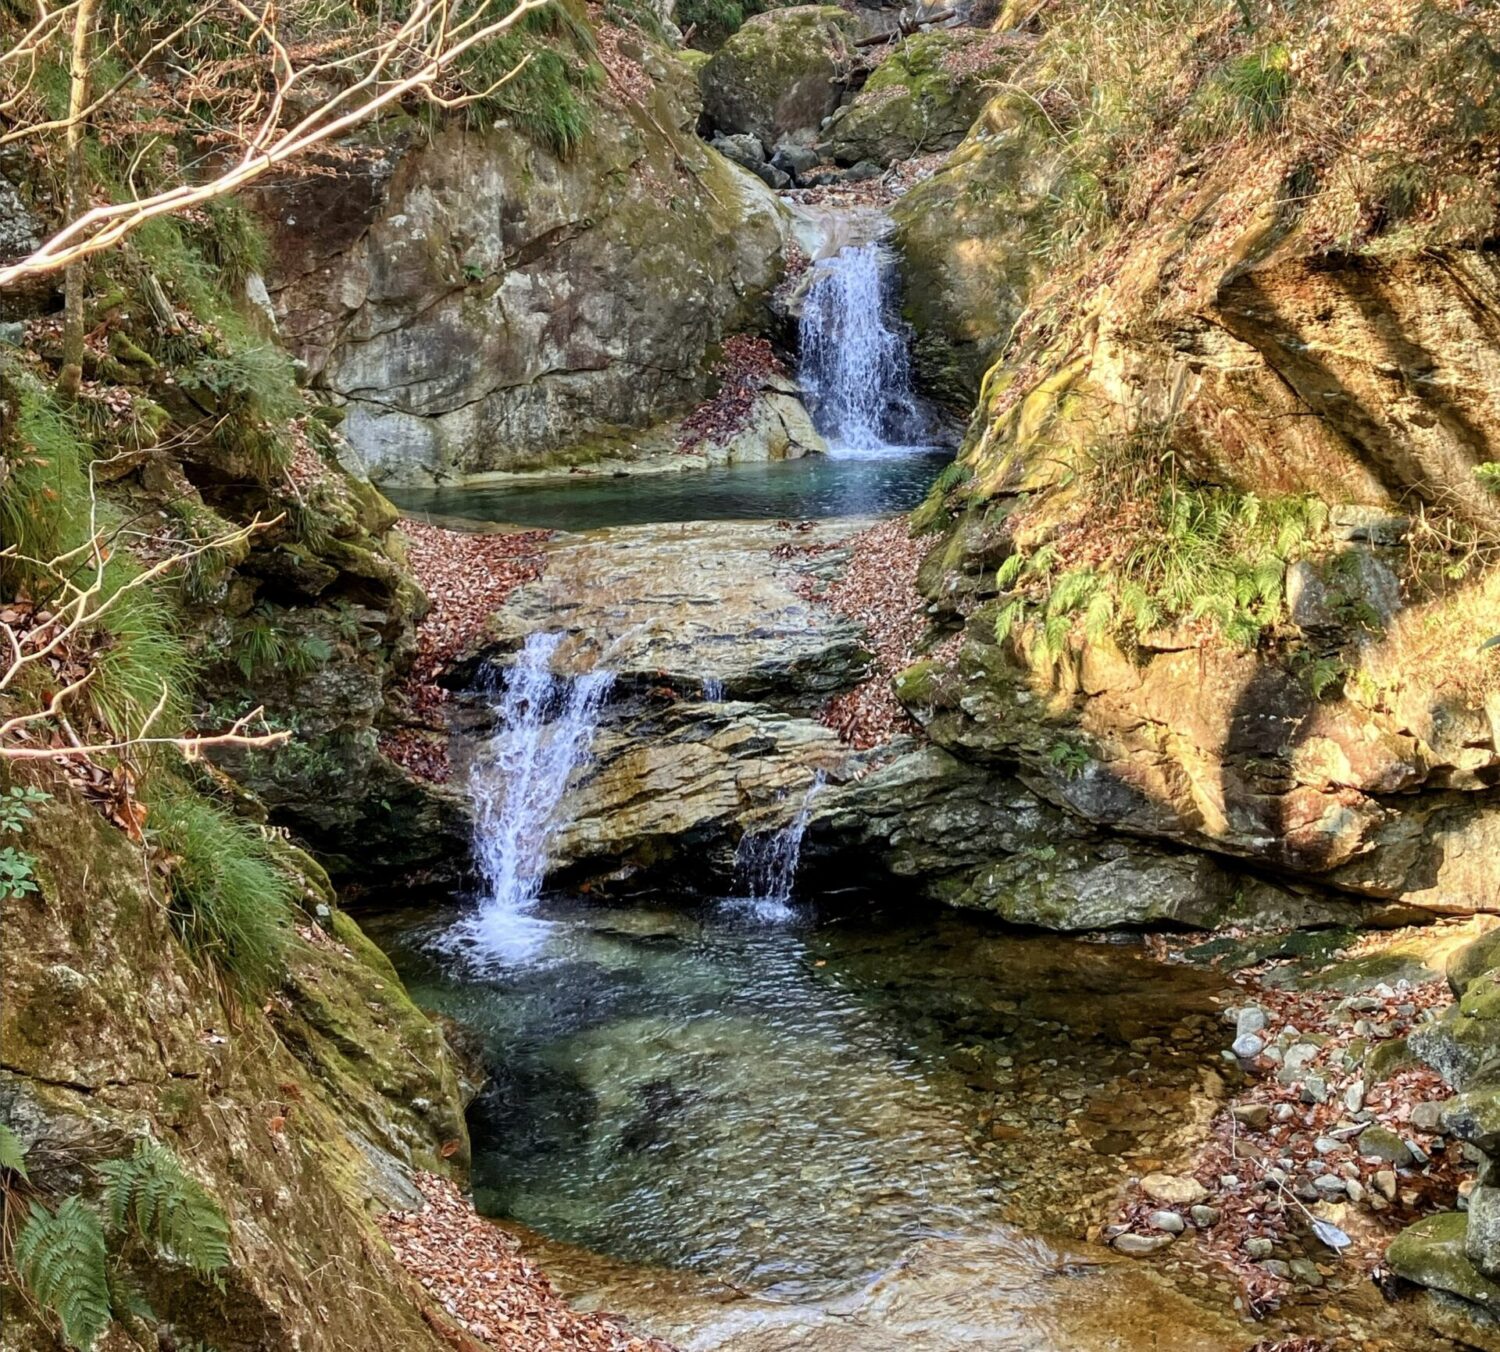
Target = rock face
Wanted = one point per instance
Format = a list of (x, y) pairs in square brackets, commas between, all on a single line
[(686, 604), (723, 609), (477, 303), (1240, 365), (780, 74), (923, 97), (964, 237), (294, 1119)]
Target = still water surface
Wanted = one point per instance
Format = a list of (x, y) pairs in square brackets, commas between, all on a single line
[(814, 486)]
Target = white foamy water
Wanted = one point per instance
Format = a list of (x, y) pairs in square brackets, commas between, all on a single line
[(545, 726), (767, 863), (855, 368)]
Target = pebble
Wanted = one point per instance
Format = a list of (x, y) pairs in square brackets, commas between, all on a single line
[(1204, 1216), (1428, 1116), (1169, 1221), (1382, 1143), (1385, 1184), (1306, 1271), (1354, 1096), (1315, 1089), (1330, 1183), (1258, 1247), (1253, 1115), (1300, 1056), (1251, 1019), (1326, 1145), (1140, 1246), (1277, 1268), (1247, 1045)]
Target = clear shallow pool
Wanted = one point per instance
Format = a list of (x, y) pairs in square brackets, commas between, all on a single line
[(789, 1107), (814, 486)]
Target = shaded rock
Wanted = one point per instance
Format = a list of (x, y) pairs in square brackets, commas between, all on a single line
[(1383, 1144), (962, 236), (478, 304), (780, 73)]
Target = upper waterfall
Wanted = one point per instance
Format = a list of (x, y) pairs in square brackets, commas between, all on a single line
[(855, 367)]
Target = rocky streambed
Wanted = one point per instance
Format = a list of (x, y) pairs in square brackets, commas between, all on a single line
[(824, 1109)]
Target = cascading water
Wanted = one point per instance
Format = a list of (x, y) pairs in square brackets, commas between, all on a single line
[(545, 731), (767, 862), (855, 368)]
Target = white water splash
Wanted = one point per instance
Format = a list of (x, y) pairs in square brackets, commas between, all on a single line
[(767, 862), (713, 690), (855, 368), (545, 732)]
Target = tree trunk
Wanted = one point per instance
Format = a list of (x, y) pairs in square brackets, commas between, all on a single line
[(76, 276)]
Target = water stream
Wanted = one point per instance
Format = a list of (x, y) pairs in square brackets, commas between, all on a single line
[(545, 725), (767, 862), (855, 368)]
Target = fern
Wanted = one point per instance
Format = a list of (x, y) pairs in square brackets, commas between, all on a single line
[(167, 1207), (1005, 620), (1009, 572), (60, 1257), (12, 1152)]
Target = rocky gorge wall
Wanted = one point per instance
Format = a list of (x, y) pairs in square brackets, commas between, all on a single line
[(479, 301)]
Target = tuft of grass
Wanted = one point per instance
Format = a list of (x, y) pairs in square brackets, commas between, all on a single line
[(44, 488), (230, 902)]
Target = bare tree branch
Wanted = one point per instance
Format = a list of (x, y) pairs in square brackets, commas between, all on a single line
[(412, 59)]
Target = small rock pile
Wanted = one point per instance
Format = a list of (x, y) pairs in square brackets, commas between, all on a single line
[(1335, 1142), (475, 1271)]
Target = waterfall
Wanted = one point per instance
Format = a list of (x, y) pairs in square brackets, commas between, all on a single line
[(855, 367), (767, 862), (545, 725)]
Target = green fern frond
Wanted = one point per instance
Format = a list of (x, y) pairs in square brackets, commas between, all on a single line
[(167, 1207), (1005, 619), (12, 1152), (1040, 563), (1009, 572), (60, 1257), (1099, 618), (1055, 632), (1072, 591)]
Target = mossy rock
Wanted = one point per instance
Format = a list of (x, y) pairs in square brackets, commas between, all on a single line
[(783, 72), (923, 97), (1431, 1253), (1464, 1045), (967, 239)]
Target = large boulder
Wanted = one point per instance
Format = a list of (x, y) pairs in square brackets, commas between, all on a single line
[(923, 97), (783, 72), (480, 303)]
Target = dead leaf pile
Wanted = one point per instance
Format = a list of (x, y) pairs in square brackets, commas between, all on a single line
[(878, 590), (741, 372), (476, 1273), (467, 577)]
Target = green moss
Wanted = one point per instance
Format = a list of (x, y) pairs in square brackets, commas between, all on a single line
[(1431, 1253)]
